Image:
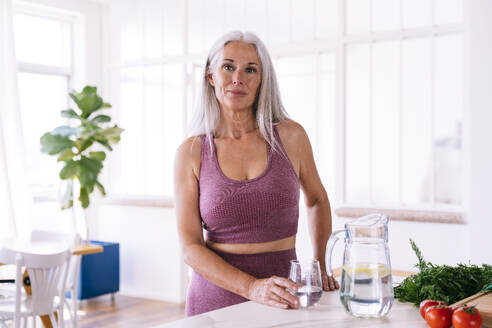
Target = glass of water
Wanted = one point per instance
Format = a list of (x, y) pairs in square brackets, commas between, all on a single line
[(306, 273)]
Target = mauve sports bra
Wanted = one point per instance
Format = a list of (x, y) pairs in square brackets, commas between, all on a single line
[(258, 210)]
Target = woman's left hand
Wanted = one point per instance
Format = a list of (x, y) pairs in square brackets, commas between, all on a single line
[(329, 282)]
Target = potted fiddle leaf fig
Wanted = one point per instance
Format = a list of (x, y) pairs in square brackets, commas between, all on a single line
[(81, 145)]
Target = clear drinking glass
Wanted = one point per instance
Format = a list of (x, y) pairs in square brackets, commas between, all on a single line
[(306, 273)]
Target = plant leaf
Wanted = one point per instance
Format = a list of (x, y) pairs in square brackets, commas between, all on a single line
[(69, 113), (112, 134), (70, 170), (101, 188), (54, 144), (67, 205), (86, 143), (100, 119), (106, 105), (88, 100), (89, 171), (90, 129), (66, 196), (84, 197), (99, 155), (66, 155), (115, 140), (65, 131), (113, 131), (103, 141)]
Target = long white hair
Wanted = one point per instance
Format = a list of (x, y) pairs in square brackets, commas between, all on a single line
[(268, 105)]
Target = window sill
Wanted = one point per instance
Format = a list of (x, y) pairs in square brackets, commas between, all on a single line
[(430, 216), (44, 199), (139, 201)]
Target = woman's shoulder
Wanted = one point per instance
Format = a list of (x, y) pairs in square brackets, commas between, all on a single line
[(189, 153), (291, 132), (191, 145), (295, 141), (289, 124)]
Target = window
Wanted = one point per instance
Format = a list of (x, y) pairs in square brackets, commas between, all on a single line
[(377, 84), (149, 69), (404, 104), (43, 45)]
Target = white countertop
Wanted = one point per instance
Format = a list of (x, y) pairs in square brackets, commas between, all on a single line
[(329, 312)]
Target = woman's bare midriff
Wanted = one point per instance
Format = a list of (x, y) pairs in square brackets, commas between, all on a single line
[(254, 248)]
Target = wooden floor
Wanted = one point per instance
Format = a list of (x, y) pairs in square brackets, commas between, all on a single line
[(126, 312)]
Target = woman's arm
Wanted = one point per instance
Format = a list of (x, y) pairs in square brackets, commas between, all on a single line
[(269, 291), (316, 198)]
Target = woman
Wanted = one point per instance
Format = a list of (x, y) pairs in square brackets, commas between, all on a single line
[(238, 178)]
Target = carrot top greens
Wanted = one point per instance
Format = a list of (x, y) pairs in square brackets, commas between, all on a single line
[(442, 282)]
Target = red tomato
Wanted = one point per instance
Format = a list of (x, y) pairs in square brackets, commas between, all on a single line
[(438, 316), (466, 317), (425, 304)]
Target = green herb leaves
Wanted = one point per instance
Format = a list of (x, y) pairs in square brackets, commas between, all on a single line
[(442, 282), (422, 264)]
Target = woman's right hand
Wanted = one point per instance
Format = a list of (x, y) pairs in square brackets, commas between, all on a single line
[(272, 291)]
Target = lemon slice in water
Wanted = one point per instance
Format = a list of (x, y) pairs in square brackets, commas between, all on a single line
[(369, 270)]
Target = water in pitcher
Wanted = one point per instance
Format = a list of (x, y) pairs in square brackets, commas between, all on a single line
[(367, 289)]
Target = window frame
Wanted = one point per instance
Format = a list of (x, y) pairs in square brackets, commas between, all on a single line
[(72, 72)]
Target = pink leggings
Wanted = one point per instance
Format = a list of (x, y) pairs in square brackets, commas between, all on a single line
[(204, 296)]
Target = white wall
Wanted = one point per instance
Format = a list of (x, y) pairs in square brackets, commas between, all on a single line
[(151, 264), (479, 60), (435, 240)]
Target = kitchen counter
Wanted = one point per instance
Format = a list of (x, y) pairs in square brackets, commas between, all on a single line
[(329, 312)]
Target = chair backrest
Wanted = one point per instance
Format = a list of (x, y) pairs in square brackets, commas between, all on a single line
[(47, 273), (69, 238)]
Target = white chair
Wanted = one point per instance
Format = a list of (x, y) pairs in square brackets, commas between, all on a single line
[(73, 269), (47, 272)]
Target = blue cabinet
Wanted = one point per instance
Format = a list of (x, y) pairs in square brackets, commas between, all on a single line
[(100, 272)]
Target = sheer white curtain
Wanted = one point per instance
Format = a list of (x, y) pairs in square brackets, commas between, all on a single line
[(15, 198)]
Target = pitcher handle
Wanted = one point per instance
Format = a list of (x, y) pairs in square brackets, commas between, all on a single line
[(329, 248)]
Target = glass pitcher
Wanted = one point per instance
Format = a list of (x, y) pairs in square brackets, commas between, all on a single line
[(366, 288)]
